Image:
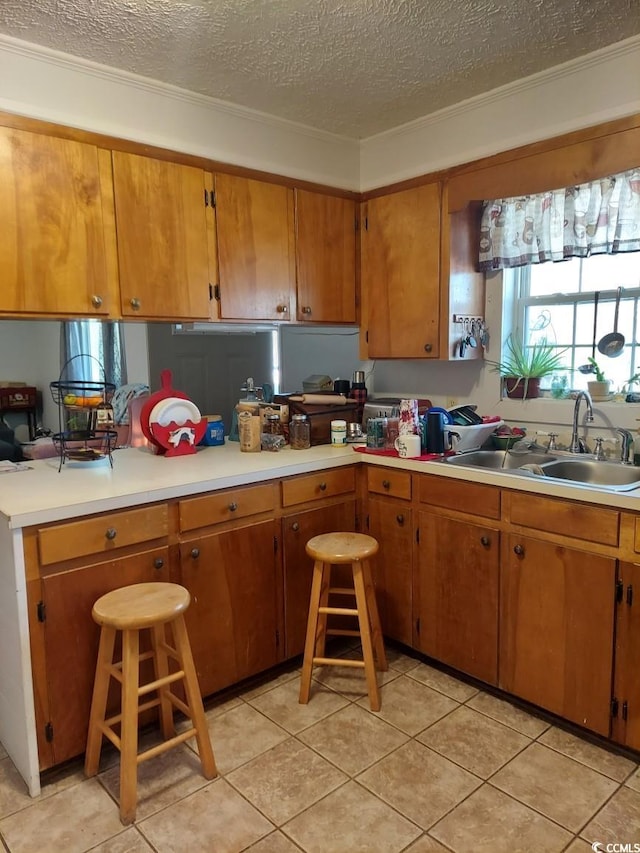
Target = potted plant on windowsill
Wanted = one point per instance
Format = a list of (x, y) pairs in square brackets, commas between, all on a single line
[(522, 367), (599, 387)]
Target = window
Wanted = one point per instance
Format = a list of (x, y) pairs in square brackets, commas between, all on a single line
[(556, 301)]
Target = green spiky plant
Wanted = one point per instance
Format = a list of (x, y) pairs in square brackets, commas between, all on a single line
[(528, 362)]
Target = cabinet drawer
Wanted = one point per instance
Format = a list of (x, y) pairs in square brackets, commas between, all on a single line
[(474, 498), (313, 487), (227, 505), (102, 534), (566, 518), (388, 481)]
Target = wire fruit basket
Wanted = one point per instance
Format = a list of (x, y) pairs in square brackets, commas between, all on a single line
[(80, 438)]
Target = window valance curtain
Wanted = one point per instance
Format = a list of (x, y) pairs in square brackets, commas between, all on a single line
[(601, 217)]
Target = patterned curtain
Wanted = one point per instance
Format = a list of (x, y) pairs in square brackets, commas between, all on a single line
[(601, 217)]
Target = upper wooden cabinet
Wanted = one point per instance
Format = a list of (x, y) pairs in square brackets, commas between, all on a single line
[(256, 257), (401, 273), (325, 258), (165, 233), (57, 227)]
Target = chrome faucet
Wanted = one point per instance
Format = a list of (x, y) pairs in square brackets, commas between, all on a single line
[(626, 447), (577, 444)]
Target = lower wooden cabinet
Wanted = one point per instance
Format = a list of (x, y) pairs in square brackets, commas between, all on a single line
[(232, 622), (297, 529), (71, 645), (457, 594), (557, 629), (626, 687)]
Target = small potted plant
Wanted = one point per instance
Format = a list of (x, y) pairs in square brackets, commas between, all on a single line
[(600, 386), (522, 367)]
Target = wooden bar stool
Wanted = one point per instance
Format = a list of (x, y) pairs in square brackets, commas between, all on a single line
[(333, 549), (131, 609)]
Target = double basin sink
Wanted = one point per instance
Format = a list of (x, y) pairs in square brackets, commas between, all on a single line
[(574, 468)]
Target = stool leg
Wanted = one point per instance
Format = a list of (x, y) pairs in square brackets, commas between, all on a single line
[(312, 631), (321, 631), (99, 701), (365, 635), (161, 666), (194, 699), (129, 726), (376, 630)]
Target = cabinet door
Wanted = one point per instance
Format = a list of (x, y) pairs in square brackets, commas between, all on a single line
[(163, 249), (390, 522), (297, 529), (626, 725), (401, 273), (233, 618), (457, 595), (53, 209), (556, 629), (325, 258), (71, 640), (255, 249)]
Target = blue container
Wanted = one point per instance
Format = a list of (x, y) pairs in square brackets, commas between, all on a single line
[(214, 434)]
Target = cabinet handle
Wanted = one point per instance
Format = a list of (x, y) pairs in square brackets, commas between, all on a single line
[(233, 506), (428, 347), (519, 550), (158, 563), (295, 526), (306, 309), (282, 309), (386, 484), (485, 541), (195, 553), (400, 519), (135, 303), (96, 301), (322, 487), (111, 533)]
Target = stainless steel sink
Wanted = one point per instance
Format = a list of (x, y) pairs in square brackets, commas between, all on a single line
[(499, 459), (612, 475), (571, 468)]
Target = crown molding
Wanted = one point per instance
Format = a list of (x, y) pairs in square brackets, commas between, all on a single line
[(68, 62), (566, 69)]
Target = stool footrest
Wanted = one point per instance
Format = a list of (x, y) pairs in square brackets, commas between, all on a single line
[(338, 611), (342, 590), (343, 632), (165, 745), (160, 682), (339, 662)]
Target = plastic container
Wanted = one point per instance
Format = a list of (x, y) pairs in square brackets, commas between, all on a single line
[(214, 435), (338, 433)]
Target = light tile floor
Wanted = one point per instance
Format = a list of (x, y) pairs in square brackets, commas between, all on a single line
[(442, 767)]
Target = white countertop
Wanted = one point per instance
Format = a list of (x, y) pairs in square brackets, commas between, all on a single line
[(42, 494)]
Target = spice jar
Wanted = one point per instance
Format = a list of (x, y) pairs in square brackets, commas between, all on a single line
[(272, 425), (272, 437), (300, 432)]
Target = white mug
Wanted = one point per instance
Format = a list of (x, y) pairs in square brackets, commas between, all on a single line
[(408, 446)]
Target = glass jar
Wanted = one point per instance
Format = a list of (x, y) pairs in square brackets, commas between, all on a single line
[(272, 425), (300, 432)]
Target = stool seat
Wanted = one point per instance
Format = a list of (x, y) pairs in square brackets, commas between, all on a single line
[(339, 548), (157, 608), (354, 549), (141, 605)]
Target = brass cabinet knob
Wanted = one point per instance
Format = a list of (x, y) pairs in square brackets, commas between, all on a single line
[(195, 553), (306, 309), (295, 526), (400, 519), (428, 347), (518, 550), (484, 540), (322, 487), (111, 533), (386, 484), (135, 303), (96, 301), (158, 563), (233, 506), (282, 309)]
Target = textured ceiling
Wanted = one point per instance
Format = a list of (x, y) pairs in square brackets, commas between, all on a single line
[(354, 67)]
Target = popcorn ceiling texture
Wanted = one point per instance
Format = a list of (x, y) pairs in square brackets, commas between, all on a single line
[(353, 67)]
